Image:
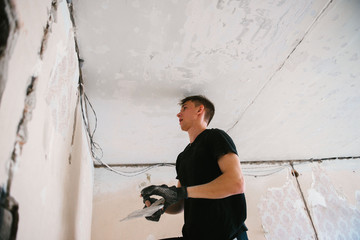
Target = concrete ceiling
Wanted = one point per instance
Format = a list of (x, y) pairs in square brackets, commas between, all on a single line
[(284, 75)]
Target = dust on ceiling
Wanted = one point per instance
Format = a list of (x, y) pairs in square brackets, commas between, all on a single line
[(283, 75)]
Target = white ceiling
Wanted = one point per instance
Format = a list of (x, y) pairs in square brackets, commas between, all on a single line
[(284, 75)]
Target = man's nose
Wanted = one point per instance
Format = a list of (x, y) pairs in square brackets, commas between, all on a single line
[(178, 115)]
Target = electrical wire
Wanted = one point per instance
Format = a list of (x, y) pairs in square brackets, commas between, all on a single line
[(262, 171), (96, 151)]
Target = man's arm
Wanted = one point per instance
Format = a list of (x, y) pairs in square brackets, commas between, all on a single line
[(230, 182)]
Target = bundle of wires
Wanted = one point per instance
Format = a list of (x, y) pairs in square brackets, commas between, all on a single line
[(96, 150)]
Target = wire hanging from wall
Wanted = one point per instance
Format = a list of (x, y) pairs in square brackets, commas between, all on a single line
[(263, 171), (96, 150), (251, 171)]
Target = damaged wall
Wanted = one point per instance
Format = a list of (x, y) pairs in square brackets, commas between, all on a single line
[(284, 78), (42, 134), (333, 198), (8, 28), (116, 196), (322, 203), (291, 91), (319, 204)]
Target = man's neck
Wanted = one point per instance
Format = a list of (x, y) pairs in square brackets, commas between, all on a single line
[(194, 132)]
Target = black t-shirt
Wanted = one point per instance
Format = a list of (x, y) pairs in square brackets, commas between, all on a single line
[(219, 219)]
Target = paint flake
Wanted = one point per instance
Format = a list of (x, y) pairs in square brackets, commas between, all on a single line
[(334, 218), (315, 198)]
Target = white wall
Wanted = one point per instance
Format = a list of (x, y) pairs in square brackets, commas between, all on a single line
[(276, 208), (116, 196), (307, 109), (284, 78), (53, 179)]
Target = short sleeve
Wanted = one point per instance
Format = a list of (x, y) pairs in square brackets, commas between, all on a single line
[(221, 143)]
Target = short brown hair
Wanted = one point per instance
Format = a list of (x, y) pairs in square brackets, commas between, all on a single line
[(201, 100)]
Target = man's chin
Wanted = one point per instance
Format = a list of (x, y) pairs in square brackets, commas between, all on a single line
[(183, 128)]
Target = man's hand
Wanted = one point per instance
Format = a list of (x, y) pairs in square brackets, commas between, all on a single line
[(170, 194), (156, 216)]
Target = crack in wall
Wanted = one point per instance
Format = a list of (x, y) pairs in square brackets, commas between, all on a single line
[(29, 103), (81, 61), (74, 128), (282, 213), (81, 82), (282, 64), (47, 29), (304, 201), (333, 214), (325, 212)]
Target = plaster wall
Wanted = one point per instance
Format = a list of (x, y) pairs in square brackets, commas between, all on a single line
[(116, 196), (284, 78), (277, 202), (331, 190), (42, 133)]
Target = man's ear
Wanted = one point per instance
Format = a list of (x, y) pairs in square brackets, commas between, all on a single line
[(201, 109)]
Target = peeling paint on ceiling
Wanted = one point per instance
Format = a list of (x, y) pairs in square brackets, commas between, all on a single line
[(283, 75)]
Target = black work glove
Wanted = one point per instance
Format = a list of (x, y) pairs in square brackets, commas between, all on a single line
[(170, 194), (156, 216)]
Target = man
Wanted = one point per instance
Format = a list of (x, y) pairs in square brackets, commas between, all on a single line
[(210, 186)]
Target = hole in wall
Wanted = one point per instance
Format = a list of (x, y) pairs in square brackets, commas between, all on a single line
[(4, 35), (4, 28), (7, 30)]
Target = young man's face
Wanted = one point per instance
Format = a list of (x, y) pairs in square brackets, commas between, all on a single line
[(187, 115)]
